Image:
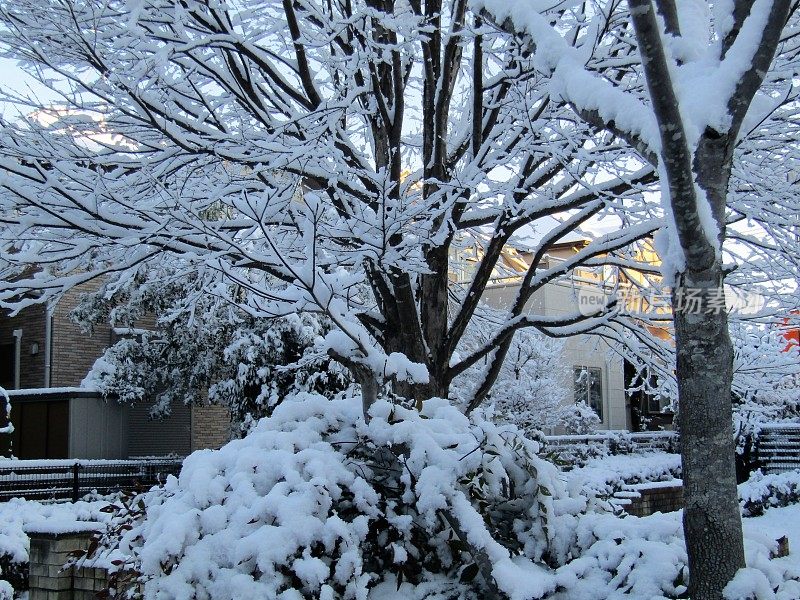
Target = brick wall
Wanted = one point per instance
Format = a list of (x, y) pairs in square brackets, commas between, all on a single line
[(211, 426), (32, 323), (74, 352), (655, 498), (49, 580)]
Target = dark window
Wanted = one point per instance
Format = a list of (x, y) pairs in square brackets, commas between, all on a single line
[(589, 388), (657, 404), (7, 366)]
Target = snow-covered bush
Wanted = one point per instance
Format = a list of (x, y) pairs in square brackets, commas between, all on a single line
[(313, 502), (645, 557), (13, 575), (603, 477), (571, 452), (580, 419), (761, 491), (531, 389), (246, 364)]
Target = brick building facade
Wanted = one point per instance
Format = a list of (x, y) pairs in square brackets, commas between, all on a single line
[(44, 358)]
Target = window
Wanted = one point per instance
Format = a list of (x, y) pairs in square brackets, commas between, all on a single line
[(589, 388), (657, 403), (7, 366)]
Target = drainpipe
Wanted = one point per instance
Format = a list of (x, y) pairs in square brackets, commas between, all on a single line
[(48, 345), (17, 333)]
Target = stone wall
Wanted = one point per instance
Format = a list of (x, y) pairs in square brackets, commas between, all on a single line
[(49, 580), (655, 497), (87, 582)]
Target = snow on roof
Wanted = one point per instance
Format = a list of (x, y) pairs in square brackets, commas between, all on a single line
[(52, 390), (528, 237)]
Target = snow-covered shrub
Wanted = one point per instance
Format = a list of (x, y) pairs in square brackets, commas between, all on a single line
[(645, 557), (531, 389), (580, 419), (576, 453), (603, 477), (246, 364), (266, 361), (769, 575), (625, 558), (761, 491), (13, 575), (313, 502)]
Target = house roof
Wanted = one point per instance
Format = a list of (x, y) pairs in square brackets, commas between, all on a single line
[(528, 237)]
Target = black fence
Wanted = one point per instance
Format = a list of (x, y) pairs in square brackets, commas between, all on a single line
[(71, 480)]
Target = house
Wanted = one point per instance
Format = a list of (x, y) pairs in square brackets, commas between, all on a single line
[(44, 357), (596, 373)]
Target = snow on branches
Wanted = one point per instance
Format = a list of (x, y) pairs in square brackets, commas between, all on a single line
[(322, 157)]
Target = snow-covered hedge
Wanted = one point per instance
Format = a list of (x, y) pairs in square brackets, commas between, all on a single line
[(578, 450), (761, 491), (316, 503), (603, 477)]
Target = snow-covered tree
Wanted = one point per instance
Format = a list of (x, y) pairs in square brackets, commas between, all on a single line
[(680, 86), (766, 388), (333, 156), (330, 157)]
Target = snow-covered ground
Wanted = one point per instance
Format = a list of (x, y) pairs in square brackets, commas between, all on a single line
[(777, 522)]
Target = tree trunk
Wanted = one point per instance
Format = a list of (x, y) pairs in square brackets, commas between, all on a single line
[(712, 522), (711, 518), (419, 392), (369, 392)]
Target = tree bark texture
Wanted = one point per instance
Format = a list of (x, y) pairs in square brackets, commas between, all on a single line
[(711, 519)]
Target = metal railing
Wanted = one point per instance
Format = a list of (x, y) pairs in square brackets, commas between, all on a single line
[(621, 442), (72, 479)]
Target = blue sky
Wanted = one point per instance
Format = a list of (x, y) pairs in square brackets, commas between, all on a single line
[(13, 78)]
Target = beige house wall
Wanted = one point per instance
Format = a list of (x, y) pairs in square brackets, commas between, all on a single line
[(561, 299)]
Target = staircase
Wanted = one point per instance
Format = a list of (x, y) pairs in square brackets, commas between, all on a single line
[(779, 447)]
